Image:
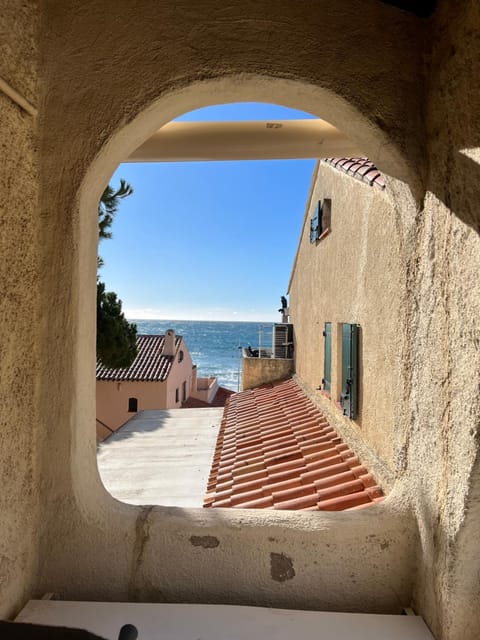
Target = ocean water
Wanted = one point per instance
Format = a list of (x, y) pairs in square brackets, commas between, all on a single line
[(215, 347)]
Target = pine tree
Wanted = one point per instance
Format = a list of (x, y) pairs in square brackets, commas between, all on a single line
[(116, 337)]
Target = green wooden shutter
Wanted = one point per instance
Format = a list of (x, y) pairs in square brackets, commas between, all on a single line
[(327, 357), (349, 395)]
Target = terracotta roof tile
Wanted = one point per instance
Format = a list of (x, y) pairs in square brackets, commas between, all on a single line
[(361, 168), (269, 456), (149, 365)]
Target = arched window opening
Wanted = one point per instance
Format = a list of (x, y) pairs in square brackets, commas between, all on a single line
[(132, 405), (249, 224)]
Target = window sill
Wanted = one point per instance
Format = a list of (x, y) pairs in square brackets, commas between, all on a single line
[(324, 234)]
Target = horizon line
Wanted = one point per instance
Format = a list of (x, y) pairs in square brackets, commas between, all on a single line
[(196, 320)]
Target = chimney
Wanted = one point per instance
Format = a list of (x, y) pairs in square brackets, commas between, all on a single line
[(169, 346)]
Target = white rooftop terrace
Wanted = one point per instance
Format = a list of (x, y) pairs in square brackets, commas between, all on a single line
[(161, 457)]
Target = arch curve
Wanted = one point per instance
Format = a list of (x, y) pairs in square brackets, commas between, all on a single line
[(295, 94)]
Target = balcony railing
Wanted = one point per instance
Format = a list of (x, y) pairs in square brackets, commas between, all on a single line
[(249, 352)]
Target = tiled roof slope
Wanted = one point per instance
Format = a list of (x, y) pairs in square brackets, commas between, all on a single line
[(149, 365), (276, 450), (361, 168)]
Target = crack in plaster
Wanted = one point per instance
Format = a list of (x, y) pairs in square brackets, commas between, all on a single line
[(142, 536)]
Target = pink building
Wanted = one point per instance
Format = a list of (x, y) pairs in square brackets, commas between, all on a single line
[(161, 377)]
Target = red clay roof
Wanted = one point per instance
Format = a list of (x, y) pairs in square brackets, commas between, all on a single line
[(361, 168), (276, 450), (149, 365), (219, 400)]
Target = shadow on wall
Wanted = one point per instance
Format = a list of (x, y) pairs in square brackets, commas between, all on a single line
[(459, 186)]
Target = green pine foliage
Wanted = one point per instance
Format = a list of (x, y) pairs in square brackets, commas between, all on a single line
[(116, 337), (108, 207)]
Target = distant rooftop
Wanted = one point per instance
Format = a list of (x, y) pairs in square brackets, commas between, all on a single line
[(150, 365), (276, 450)]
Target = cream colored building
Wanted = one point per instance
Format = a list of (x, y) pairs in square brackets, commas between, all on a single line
[(84, 84), (346, 294)]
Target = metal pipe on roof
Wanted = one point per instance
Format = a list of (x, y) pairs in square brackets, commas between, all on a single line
[(245, 140)]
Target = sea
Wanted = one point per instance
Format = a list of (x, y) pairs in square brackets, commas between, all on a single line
[(215, 347)]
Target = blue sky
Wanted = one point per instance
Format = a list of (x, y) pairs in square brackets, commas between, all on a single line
[(208, 240)]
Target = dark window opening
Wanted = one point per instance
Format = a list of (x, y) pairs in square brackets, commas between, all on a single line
[(184, 391), (132, 405), (180, 356), (321, 221), (176, 395)]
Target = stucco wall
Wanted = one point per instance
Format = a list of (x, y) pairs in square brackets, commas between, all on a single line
[(20, 309), (353, 274), (112, 72), (112, 399), (257, 371), (152, 63), (180, 372), (442, 453), (112, 396)]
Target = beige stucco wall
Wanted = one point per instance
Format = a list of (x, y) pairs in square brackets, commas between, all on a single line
[(257, 371), (20, 309), (444, 334), (352, 275), (111, 74)]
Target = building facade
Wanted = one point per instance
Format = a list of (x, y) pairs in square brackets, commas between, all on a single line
[(160, 377), (346, 293)]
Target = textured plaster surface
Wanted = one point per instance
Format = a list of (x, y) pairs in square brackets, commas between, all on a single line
[(112, 73), (442, 453), (19, 310), (352, 275), (114, 87), (257, 371)]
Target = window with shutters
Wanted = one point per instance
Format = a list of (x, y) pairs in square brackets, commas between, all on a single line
[(321, 221), (350, 381), (327, 357)]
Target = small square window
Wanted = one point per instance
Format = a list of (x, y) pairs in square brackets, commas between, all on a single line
[(321, 221)]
